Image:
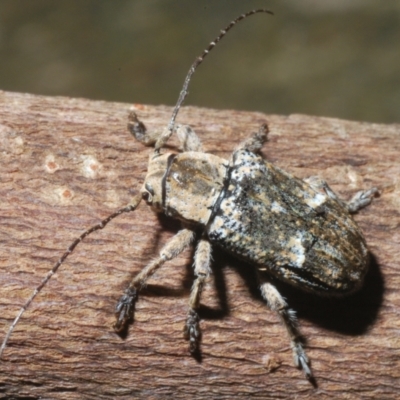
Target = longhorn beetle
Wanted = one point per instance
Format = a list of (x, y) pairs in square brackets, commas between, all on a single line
[(295, 230)]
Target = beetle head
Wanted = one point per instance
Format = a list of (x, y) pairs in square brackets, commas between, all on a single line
[(152, 189)]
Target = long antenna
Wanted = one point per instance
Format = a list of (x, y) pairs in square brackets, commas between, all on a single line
[(131, 207), (184, 92), (100, 225)]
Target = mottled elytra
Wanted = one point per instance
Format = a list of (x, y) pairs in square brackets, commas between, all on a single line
[(294, 230)]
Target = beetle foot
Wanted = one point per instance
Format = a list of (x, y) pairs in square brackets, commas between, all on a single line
[(125, 308), (139, 131), (192, 331), (362, 199), (301, 360)]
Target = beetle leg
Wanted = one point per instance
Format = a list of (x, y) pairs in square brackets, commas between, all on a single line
[(319, 185), (202, 271), (360, 200), (278, 304), (125, 306), (188, 139), (139, 130), (255, 142)]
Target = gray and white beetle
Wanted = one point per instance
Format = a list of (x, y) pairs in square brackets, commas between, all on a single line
[(294, 230)]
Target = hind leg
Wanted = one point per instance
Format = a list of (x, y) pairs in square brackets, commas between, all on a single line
[(277, 303), (360, 200)]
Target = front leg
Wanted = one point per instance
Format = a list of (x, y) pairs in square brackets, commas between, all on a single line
[(188, 139), (202, 271), (125, 306), (138, 129)]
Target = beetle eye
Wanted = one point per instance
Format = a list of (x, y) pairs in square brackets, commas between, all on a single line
[(149, 189), (146, 196), (148, 193)]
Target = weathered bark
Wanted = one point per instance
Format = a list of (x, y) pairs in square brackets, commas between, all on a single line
[(68, 163)]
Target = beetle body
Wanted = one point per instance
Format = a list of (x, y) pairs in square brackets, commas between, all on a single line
[(291, 229), (297, 231)]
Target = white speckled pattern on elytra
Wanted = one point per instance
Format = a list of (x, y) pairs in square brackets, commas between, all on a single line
[(295, 250), (270, 218)]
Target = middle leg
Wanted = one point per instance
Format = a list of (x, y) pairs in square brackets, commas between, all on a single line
[(202, 272)]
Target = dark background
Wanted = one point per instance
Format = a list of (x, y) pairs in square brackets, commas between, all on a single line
[(336, 58)]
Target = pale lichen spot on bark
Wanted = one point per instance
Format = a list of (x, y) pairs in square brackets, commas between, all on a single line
[(10, 141), (60, 195), (50, 164), (90, 167), (354, 177), (113, 200)]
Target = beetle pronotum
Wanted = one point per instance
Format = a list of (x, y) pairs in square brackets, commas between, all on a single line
[(294, 230)]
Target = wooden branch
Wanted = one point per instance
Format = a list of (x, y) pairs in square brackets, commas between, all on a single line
[(68, 163)]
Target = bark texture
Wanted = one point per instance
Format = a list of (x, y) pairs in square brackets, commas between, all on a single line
[(68, 163)]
